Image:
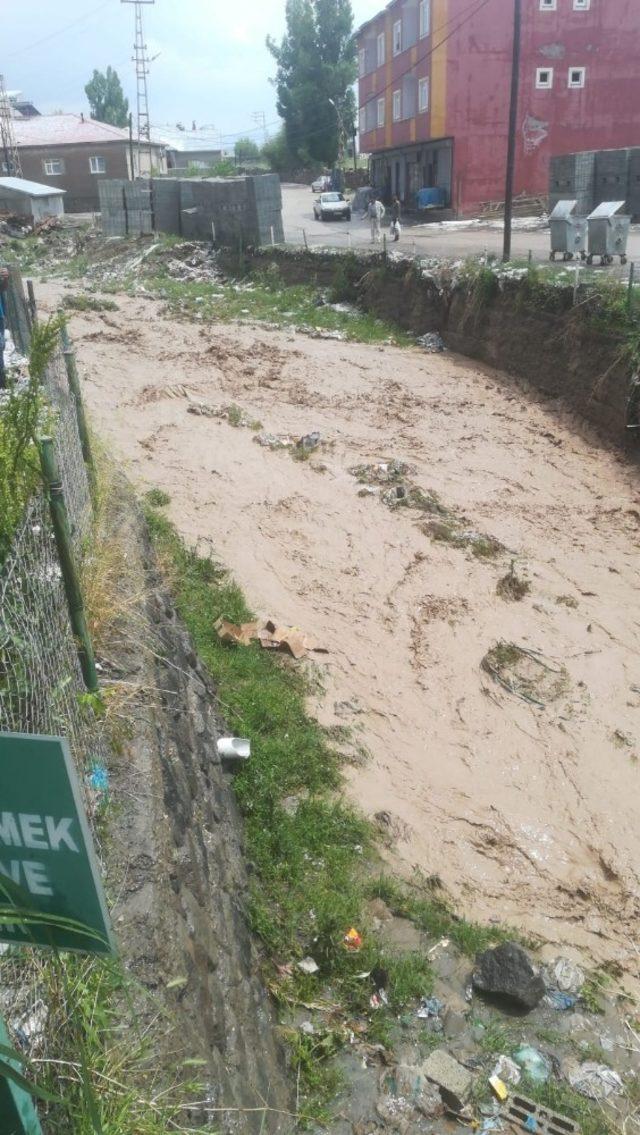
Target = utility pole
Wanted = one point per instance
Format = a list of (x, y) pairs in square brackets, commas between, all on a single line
[(513, 127), (260, 119), (141, 60), (10, 152)]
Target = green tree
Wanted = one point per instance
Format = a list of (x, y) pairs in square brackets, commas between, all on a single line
[(276, 153), (106, 98), (316, 69), (246, 151)]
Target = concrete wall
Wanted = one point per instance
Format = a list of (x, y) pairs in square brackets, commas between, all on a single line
[(240, 210)]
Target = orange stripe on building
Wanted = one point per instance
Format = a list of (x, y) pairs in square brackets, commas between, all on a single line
[(440, 15)]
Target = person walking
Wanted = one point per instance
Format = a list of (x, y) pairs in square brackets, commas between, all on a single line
[(376, 212), (4, 285), (395, 218)]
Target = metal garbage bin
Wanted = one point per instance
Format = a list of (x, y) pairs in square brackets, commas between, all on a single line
[(568, 233), (608, 233)]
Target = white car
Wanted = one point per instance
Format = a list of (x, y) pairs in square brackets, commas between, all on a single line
[(321, 183), (330, 205)]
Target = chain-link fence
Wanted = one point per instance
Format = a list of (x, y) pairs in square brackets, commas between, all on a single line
[(41, 684)]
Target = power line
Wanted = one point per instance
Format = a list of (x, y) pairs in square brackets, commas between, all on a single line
[(60, 31)]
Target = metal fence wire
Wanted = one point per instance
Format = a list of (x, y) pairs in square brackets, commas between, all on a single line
[(41, 684)]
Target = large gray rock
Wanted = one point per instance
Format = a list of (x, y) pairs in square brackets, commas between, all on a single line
[(506, 972)]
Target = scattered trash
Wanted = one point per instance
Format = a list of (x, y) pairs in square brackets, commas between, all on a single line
[(30, 1028), (499, 1088), (431, 342), (377, 1000), (309, 442), (507, 1069), (381, 472), (531, 1123), (506, 972), (494, 1123), (429, 1007), (269, 635), (565, 975), (274, 441), (234, 748), (352, 939), (533, 1064), (99, 778), (307, 1028), (453, 1079), (596, 1081), (558, 1000), (308, 966)]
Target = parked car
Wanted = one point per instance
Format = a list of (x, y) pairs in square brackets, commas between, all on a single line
[(330, 205), (321, 183)]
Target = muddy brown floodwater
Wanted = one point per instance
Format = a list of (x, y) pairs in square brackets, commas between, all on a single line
[(527, 813)]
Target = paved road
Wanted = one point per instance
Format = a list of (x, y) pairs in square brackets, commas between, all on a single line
[(424, 239)]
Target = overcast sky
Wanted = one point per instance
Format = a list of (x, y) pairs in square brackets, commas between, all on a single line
[(212, 65)]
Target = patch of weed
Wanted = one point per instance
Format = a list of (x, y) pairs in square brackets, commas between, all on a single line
[(430, 913), (84, 302), (525, 673), (562, 1099), (511, 586), (157, 498), (566, 601)]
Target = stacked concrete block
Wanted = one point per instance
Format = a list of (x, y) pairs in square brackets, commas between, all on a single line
[(266, 195), (633, 190), (572, 176), (166, 206), (612, 176), (112, 207)]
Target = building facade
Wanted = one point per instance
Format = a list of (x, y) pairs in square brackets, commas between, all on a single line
[(71, 152), (434, 83)]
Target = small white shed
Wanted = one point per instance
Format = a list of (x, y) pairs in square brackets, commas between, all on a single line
[(30, 199)]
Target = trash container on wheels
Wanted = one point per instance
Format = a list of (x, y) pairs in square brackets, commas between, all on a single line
[(608, 232), (568, 232)]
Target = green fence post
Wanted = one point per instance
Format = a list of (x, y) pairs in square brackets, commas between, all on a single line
[(60, 521), (76, 393), (17, 1109)]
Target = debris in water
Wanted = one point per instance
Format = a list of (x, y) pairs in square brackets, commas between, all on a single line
[(274, 441), (431, 342), (309, 442), (270, 635)]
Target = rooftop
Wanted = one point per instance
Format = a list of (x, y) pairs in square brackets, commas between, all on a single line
[(28, 188), (64, 130)]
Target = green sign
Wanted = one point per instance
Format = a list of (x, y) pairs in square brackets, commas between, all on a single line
[(17, 1113), (49, 877)]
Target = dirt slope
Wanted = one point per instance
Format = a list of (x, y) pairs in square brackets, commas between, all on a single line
[(528, 814)]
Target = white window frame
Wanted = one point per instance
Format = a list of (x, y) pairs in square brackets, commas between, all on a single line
[(423, 94), (425, 18), (381, 49), (540, 85), (49, 163), (98, 164), (583, 78), (380, 112), (397, 106), (397, 37), (548, 5), (362, 61), (581, 5)]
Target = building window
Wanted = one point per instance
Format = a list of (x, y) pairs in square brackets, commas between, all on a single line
[(548, 5), (397, 37), (97, 165), (380, 112), (381, 49), (425, 18), (361, 120), (581, 5), (397, 106), (577, 76), (53, 167), (423, 94), (544, 78), (361, 61)]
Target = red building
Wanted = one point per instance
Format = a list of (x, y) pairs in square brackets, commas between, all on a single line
[(434, 92)]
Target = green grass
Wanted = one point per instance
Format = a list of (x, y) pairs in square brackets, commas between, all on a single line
[(425, 909), (258, 300), (84, 302), (561, 1098), (157, 498)]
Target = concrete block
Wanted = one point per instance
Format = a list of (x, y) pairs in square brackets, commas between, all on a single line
[(521, 1111), (453, 1079)]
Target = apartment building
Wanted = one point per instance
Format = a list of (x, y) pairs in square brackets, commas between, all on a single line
[(434, 81)]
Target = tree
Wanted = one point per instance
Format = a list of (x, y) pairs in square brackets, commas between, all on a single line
[(106, 98), (276, 153), (246, 151), (316, 69)]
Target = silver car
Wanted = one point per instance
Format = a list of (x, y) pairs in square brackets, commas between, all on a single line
[(330, 205)]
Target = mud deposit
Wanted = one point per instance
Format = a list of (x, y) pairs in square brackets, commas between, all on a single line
[(520, 793)]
